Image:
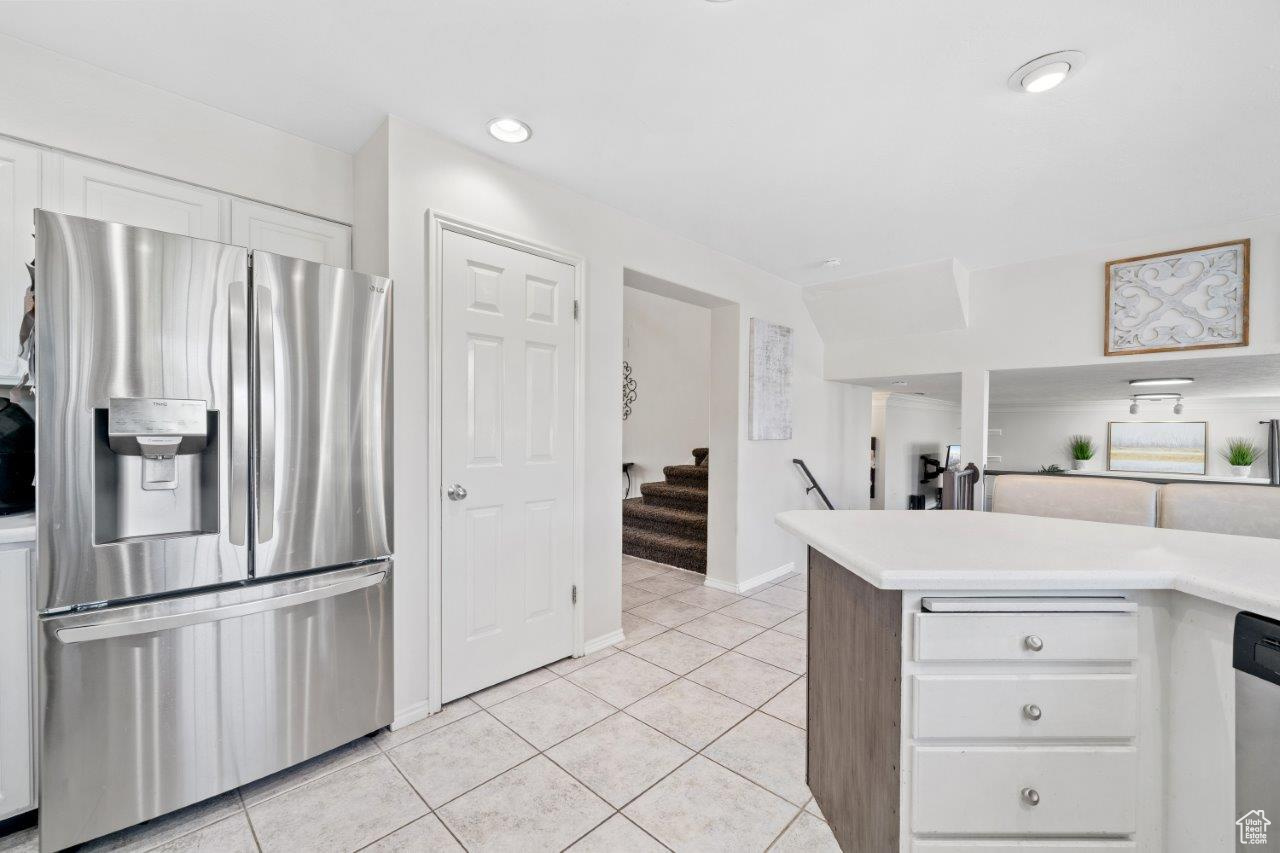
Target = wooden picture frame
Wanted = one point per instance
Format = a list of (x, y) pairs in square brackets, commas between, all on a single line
[(1127, 289), (1152, 464)]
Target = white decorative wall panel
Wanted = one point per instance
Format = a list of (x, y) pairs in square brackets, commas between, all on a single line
[(769, 406), (1193, 299)]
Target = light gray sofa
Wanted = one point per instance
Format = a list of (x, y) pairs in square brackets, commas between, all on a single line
[(1221, 508), (1208, 507), (1114, 501)]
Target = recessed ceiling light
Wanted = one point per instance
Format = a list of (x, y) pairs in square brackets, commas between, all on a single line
[(900, 383), (829, 263), (509, 130), (1045, 72), (1143, 383)]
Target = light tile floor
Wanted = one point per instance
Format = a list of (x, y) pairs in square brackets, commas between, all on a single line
[(688, 735)]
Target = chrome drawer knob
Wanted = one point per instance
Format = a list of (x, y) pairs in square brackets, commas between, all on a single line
[(1031, 712), (1033, 643), (1031, 796), (457, 492)]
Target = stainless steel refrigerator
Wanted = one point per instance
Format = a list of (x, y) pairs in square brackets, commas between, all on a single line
[(214, 515)]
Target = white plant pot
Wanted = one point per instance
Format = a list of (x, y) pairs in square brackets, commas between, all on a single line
[(1081, 464), (1241, 470)]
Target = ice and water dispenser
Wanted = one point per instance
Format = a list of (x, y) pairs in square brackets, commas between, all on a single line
[(156, 471)]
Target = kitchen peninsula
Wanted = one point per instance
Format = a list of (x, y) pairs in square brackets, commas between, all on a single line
[(981, 681)]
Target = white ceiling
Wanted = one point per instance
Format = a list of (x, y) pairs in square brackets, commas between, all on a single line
[(781, 132), (936, 386), (1215, 378)]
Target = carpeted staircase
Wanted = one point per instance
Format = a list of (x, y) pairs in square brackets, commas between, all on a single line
[(668, 523)]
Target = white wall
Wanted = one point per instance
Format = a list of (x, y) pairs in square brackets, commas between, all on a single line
[(908, 427), (1049, 313), (55, 101), (668, 345), (1033, 436), (425, 171)]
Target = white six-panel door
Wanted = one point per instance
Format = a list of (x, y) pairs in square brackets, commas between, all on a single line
[(507, 423)]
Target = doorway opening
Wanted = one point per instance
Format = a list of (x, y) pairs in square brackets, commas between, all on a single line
[(675, 346), (915, 434)]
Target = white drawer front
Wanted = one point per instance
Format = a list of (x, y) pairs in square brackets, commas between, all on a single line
[(1081, 791), (1032, 846), (1026, 636), (1026, 706)]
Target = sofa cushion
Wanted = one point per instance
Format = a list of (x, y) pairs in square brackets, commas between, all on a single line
[(1221, 508), (1081, 498)]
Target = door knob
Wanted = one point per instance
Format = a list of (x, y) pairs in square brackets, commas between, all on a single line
[(1033, 643), (1031, 796), (457, 492)]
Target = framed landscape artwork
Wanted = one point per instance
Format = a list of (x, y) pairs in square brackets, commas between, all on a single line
[(1147, 447), (1190, 299)]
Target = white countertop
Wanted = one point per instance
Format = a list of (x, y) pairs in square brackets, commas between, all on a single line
[(955, 551), (17, 528)]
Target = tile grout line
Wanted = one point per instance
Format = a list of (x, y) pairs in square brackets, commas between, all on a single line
[(253, 832)]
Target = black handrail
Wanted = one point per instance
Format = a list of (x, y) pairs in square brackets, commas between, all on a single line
[(809, 474)]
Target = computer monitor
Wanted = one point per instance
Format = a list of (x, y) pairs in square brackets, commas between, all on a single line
[(953, 456)]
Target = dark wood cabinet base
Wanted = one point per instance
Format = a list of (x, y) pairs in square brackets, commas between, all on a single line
[(855, 703)]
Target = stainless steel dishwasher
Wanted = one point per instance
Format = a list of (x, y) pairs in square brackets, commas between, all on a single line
[(1256, 657)]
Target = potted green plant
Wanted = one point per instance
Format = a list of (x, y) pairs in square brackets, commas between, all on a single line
[(1240, 454), (1081, 450)]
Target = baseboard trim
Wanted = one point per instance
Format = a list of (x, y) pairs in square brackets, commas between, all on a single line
[(754, 583), (595, 645), (411, 715)]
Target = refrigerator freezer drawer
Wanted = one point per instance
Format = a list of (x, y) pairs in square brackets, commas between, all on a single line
[(152, 707)]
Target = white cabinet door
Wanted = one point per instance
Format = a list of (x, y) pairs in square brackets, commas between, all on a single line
[(17, 758), (19, 195), (294, 235), (116, 194)]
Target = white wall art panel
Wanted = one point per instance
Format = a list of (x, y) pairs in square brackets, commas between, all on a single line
[(1192, 299), (769, 406)]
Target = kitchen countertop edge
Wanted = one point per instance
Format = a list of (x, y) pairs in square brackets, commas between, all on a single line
[(981, 551)]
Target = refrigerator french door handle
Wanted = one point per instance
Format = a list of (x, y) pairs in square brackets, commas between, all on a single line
[(148, 625), (238, 329), (266, 361)]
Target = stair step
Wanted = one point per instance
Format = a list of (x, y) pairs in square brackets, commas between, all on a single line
[(674, 496), (665, 548), (700, 455), (687, 475), (664, 519)]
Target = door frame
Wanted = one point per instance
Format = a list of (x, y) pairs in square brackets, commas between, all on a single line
[(438, 223)]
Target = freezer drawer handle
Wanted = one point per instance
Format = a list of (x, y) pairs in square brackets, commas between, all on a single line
[(132, 628)]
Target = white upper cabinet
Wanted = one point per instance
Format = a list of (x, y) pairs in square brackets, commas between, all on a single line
[(116, 194), (283, 232), (17, 741), (19, 195)]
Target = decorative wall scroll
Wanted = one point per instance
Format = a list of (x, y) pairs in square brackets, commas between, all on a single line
[(1190, 299), (769, 405), (628, 390)]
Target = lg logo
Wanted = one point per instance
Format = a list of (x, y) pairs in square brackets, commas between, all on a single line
[(373, 288)]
